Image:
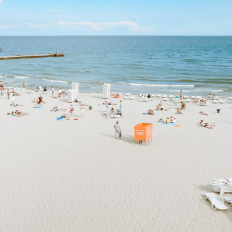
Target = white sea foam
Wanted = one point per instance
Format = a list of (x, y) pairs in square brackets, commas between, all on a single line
[(56, 81), (21, 77), (219, 90), (162, 86)]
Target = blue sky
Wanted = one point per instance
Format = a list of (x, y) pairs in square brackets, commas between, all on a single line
[(115, 17)]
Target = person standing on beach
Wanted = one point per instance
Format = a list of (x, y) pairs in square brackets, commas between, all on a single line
[(82, 107), (71, 110), (181, 96), (2, 90), (120, 107), (24, 84), (60, 92), (117, 130), (8, 94), (52, 92)]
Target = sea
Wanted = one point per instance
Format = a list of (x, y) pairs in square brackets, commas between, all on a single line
[(131, 64)]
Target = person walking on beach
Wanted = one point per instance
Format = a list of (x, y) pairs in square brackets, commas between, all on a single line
[(8, 94), (24, 84), (71, 110), (53, 92), (117, 130)]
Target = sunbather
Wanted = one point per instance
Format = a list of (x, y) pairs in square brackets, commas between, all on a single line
[(109, 103), (183, 106), (14, 104), (179, 111), (203, 113), (40, 99), (19, 113), (55, 108), (171, 119), (151, 112), (207, 125)]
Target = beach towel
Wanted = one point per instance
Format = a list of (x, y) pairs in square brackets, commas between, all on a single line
[(39, 107), (59, 118), (173, 123), (75, 119), (149, 114)]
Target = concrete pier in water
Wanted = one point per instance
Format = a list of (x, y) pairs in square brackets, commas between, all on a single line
[(31, 56)]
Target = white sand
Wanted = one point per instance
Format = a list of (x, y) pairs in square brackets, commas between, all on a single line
[(75, 176)]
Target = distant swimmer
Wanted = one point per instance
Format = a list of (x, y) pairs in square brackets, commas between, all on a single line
[(3, 76), (24, 84)]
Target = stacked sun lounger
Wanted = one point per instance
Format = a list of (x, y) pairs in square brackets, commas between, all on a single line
[(220, 186)]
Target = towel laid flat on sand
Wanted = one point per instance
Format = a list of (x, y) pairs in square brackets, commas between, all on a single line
[(149, 114)]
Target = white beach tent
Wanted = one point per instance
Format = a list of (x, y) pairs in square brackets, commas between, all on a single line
[(75, 89), (106, 91), (70, 96)]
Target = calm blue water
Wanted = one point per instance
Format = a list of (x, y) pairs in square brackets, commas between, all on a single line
[(136, 64)]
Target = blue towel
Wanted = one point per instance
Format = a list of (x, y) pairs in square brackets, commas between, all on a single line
[(39, 106), (59, 118), (173, 123), (148, 114)]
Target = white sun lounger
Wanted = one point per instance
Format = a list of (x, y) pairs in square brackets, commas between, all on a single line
[(217, 184), (112, 116), (216, 201), (228, 199)]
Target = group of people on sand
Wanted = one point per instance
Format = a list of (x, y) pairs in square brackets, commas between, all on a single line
[(18, 113), (111, 110), (170, 120), (82, 107)]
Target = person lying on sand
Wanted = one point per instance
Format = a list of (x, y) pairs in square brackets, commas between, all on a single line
[(20, 113), (80, 103), (108, 103), (207, 125), (14, 104), (161, 108), (151, 112), (179, 111), (203, 113), (55, 108)]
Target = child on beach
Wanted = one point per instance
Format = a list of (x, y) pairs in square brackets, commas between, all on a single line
[(71, 109), (117, 130)]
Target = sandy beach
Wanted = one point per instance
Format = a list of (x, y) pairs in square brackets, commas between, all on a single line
[(73, 175)]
